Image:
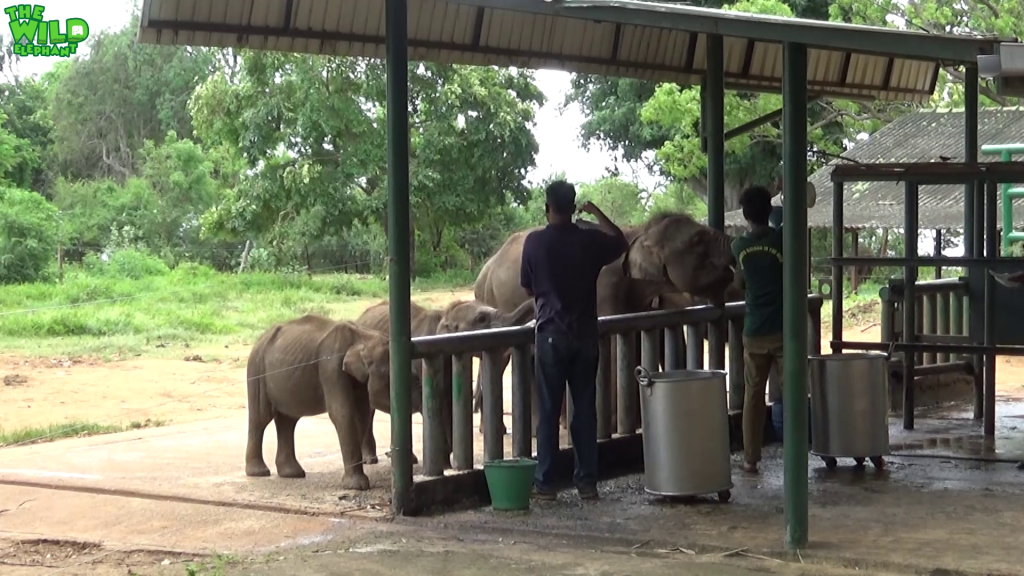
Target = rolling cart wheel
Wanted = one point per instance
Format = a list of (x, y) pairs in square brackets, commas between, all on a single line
[(830, 462), (724, 496), (878, 462), (859, 462)]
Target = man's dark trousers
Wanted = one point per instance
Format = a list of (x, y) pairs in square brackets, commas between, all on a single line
[(561, 358)]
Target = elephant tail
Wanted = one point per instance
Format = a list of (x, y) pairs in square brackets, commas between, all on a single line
[(256, 379)]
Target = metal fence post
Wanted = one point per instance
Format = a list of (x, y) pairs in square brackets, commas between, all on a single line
[(604, 390), (942, 322), (930, 323), (626, 383), (493, 409), (736, 384), (462, 411), (522, 413), (694, 347), (434, 444), (675, 348)]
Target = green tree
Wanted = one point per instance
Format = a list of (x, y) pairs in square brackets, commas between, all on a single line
[(106, 104), (311, 131), (621, 201), (658, 125), (24, 103), (28, 235)]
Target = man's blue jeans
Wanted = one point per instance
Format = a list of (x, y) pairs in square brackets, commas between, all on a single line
[(562, 359)]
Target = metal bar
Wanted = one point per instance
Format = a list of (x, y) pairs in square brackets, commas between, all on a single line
[(462, 411), (928, 172), (919, 329), (649, 357), (762, 120), (837, 269), (976, 307), (399, 270), (887, 320), (434, 445), (492, 414), (997, 349), (717, 331), (937, 252), (945, 368), (736, 383), (910, 206), (942, 322), (1007, 206), (626, 397), (714, 122), (931, 310), (992, 251), (966, 262), (943, 339), (447, 379), (694, 347), (814, 329), (794, 97), (675, 348), (476, 340), (522, 411), (604, 389), (956, 318), (569, 410)]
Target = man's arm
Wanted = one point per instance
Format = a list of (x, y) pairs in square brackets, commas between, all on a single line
[(526, 268), (610, 242)]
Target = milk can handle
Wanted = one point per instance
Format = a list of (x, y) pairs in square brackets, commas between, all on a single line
[(643, 376)]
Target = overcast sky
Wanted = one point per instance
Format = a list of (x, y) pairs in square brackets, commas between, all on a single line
[(556, 132)]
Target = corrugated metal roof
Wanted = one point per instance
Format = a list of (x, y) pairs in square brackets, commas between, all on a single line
[(922, 136), (570, 36)]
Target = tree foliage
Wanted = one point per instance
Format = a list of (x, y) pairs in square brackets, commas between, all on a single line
[(28, 235)]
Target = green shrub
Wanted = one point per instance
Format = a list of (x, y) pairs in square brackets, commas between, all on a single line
[(129, 263), (28, 235)]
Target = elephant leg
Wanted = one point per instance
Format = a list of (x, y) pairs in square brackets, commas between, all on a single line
[(369, 442), (259, 417), (286, 462), (347, 413)]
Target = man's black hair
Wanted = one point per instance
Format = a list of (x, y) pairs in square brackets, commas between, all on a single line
[(756, 202), (561, 197)]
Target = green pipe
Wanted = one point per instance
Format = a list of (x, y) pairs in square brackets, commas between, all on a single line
[(794, 137), (399, 276), (1007, 205)]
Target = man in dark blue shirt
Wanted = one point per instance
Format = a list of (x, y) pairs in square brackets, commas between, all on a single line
[(560, 266)]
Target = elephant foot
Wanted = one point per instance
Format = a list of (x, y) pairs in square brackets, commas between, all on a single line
[(290, 470), (355, 481), (256, 469)]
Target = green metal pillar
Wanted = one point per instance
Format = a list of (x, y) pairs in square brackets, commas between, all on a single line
[(396, 31), (714, 130), (794, 378)]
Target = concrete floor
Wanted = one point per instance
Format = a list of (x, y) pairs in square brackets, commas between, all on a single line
[(181, 489)]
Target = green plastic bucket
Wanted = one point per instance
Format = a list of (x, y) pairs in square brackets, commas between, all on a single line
[(509, 482)]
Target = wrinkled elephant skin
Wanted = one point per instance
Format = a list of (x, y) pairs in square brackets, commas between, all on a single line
[(659, 271), (459, 316), (309, 366)]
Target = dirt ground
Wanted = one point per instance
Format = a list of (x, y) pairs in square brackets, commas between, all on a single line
[(374, 551), (46, 391)]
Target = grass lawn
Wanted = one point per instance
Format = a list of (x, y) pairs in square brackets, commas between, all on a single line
[(107, 315)]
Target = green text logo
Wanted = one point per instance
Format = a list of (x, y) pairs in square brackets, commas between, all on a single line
[(34, 36)]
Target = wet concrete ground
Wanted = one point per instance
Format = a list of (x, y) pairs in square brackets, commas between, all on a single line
[(183, 488)]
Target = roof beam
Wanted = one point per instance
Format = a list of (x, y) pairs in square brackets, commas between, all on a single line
[(815, 34), (733, 81)]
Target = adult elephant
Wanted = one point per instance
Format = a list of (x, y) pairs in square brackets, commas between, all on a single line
[(458, 316), (671, 256), (309, 366)]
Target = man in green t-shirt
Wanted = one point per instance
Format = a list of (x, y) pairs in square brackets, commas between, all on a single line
[(759, 255)]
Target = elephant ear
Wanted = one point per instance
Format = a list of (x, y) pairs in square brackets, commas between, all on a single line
[(357, 362)]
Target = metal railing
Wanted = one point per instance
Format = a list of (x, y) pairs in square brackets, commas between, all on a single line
[(618, 336), (941, 315), (1008, 193)]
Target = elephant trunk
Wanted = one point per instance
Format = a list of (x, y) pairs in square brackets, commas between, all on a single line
[(521, 315)]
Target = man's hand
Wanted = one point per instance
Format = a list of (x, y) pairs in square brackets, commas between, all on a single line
[(588, 207)]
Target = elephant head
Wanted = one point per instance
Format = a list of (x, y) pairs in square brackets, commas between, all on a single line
[(686, 255), (368, 360), (463, 316)]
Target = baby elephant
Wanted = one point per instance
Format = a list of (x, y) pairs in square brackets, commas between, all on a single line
[(313, 365)]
